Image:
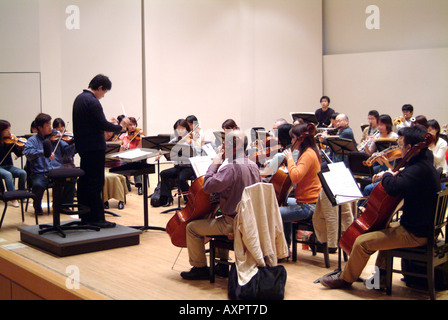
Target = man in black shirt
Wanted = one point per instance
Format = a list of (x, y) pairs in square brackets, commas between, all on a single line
[(418, 184), (323, 114), (89, 124)]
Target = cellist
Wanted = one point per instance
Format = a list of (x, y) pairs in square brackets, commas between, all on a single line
[(418, 185), (228, 182)]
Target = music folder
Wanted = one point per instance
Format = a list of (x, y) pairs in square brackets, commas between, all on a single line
[(339, 184)]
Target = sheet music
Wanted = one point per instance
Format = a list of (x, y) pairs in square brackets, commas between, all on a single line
[(200, 165), (341, 183), (134, 153), (209, 151)]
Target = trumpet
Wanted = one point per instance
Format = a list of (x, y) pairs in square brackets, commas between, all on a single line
[(398, 120)]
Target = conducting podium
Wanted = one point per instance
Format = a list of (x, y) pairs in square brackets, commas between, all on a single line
[(134, 164)]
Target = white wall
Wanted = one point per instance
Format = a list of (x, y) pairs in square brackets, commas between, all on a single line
[(253, 61)]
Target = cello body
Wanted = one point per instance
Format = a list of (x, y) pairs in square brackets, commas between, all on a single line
[(282, 185), (380, 209), (198, 206)]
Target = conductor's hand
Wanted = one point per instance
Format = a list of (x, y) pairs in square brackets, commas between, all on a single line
[(125, 122)]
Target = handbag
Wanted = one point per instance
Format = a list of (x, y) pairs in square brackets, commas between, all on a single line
[(267, 284)]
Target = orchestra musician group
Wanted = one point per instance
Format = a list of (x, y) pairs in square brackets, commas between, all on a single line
[(298, 150)]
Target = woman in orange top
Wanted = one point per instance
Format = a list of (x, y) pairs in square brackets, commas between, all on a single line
[(303, 174)]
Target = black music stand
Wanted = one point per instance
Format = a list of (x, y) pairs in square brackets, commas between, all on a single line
[(137, 166), (383, 144), (179, 153), (307, 117), (155, 142), (340, 145), (331, 186)]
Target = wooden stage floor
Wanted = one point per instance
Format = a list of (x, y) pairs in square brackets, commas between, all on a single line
[(149, 270)]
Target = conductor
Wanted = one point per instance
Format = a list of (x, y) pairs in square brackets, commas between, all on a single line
[(89, 124)]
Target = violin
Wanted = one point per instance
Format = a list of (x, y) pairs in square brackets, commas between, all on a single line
[(198, 206), (13, 139), (391, 153), (65, 136), (136, 135), (380, 206)]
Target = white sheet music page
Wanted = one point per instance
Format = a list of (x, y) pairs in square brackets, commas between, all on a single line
[(341, 183), (200, 165), (134, 153)]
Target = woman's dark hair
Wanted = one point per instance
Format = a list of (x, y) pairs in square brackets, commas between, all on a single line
[(57, 122), (229, 124), (100, 80), (386, 120), (308, 142), (284, 138), (181, 123), (4, 124), (434, 124), (420, 120)]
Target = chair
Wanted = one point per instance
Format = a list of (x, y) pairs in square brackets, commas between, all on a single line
[(363, 174), (307, 225), (7, 196), (218, 242), (433, 254), (59, 176)]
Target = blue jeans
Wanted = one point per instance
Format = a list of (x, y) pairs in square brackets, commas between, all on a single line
[(8, 173), (295, 212)]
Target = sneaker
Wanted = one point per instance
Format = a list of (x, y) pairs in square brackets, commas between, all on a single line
[(196, 273), (15, 203), (335, 282)]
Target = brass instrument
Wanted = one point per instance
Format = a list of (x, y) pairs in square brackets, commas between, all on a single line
[(398, 120)]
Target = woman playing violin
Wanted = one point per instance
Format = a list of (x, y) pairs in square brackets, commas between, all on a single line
[(7, 170), (303, 174), (132, 140), (59, 132)]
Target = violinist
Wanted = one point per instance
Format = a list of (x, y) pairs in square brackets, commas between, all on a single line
[(7, 170), (40, 163), (303, 174), (61, 133), (438, 147), (181, 171), (418, 185), (196, 133), (132, 140), (228, 182)]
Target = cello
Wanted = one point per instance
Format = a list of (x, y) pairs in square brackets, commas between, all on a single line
[(380, 206), (281, 180), (198, 206)]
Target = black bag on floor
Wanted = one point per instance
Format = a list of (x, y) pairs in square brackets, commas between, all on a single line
[(419, 267), (155, 197), (267, 284)]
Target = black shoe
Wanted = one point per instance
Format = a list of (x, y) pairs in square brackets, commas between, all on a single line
[(106, 205), (222, 270), (103, 224), (120, 205), (196, 273), (168, 203), (335, 282), (140, 191)]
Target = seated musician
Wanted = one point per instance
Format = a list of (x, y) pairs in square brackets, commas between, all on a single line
[(405, 120), (196, 132), (67, 159), (131, 140), (39, 165), (284, 141), (7, 169), (303, 174), (182, 171), (438, 147), (371, 129), (324, 113), (418, 184), (229, 183)]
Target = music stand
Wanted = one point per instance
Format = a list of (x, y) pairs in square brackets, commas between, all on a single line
[(382, 144), (179, 153), (307, 117), (340, 145), (155, 142), (136, 165), (340, 187)]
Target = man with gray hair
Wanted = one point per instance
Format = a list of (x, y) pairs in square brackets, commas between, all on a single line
[(227, 179)]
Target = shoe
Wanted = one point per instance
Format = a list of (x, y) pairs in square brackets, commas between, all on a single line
[(335, 282), (120, 205), (38, 211), (106, 205), (15, 203), (332, 250), (168, 203), (140, 191), (222, 270), (196, 273), (102, 224)]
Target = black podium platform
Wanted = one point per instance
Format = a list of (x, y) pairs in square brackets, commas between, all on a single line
[(80, 241)]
